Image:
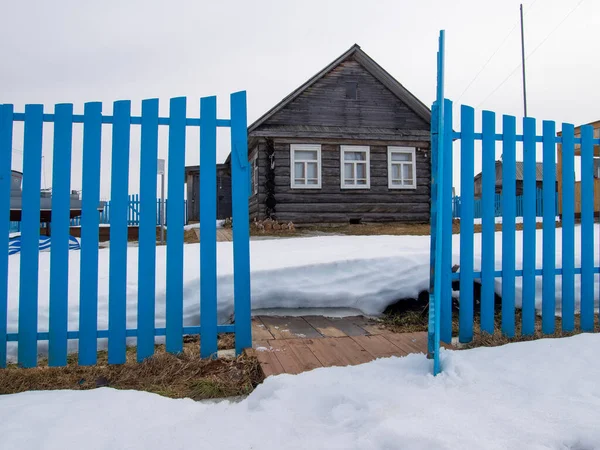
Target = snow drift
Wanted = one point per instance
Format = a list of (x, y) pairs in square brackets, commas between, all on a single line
[(534, 395)]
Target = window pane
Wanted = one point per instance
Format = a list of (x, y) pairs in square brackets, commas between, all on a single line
[(396, 156), (312, 181), (396, 171), (397, 182), (348, 171), (299, 170), (361, 170), (361, 182), (305, 155), (349, 182), (355, 156), (311, 170), (407, 171), (299, 181)]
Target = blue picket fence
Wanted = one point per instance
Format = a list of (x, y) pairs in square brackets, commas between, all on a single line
[(117, 332), (133, 217), (515, 262), (498, 202)]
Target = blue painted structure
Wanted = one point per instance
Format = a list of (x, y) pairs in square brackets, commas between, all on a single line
[(521, 205), (14, 244), (121, 123), (440, 319)]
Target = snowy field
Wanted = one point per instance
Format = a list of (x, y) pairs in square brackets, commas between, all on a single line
[(364, 273), (534, 395)]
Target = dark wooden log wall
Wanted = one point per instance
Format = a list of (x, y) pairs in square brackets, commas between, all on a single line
[(331, 203)]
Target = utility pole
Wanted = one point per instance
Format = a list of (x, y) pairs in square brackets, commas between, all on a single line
[(523, 63)]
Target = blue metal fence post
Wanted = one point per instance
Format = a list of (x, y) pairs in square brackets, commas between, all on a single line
[(568, 227), (488, 221), (29, 264), (549, 228), (6, 138), (529, 226), (467, 157), (208, 227), (509, 194), (174, 210), (147, 230), (90, 197), (436, 294), (431, 337), (446, 266), (587, 228), (59, 262), (117, 303), (241, 222)]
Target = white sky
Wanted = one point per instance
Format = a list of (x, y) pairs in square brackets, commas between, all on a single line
[(78, 51)]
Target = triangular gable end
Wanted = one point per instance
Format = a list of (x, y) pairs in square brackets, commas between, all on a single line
[(358, 63)]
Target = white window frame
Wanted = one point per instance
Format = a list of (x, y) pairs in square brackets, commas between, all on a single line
[(355, 148), (254, 174), (305, 147), (408, 150)]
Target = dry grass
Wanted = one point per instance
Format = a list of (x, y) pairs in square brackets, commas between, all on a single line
[(374, 229), (417, 320), (175, 376), (483, 339)]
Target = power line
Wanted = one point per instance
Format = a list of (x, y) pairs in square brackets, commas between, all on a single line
[(493, 54), (531, 53)]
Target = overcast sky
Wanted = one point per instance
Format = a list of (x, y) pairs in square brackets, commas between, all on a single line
[(78, 51)]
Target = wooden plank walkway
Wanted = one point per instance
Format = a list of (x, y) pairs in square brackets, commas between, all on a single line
[(298, 344), (223, 234)]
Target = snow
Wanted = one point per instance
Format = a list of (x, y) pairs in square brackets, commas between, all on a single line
[(517, 220), (364, 273), (534, 395), (352, 273)]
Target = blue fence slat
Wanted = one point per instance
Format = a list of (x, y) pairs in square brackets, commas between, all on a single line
[(434, 205), (568, 227), (117, 305), (467, 155), (59, 257), (90, 196), (147, 231), (241, 222), (30, 231), (488, 222), (208, 227), (6, 138), (446, 291), (509, 132), (587, 228), (176, 180), (549, 228), (529, 226)]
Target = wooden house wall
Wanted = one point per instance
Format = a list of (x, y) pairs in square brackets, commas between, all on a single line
[(331, 203)]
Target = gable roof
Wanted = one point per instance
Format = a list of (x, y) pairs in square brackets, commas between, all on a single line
[(373, 68)]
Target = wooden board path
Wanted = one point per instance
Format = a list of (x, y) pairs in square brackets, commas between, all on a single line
[(297, 344)]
